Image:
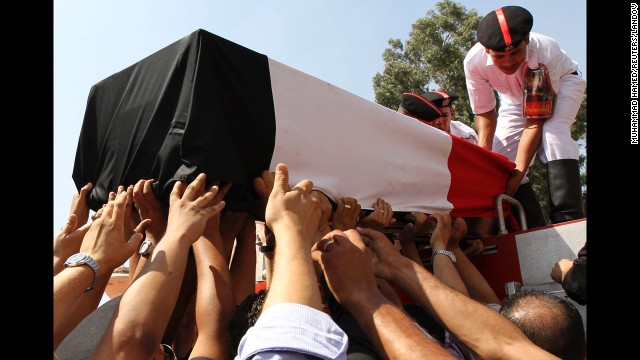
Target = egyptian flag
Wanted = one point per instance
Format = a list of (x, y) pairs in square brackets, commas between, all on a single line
[(205, 104)]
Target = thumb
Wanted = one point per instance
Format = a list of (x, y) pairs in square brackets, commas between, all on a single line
[(136, 240), (281, 180)]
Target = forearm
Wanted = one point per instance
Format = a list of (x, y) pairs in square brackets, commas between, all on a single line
[(214, 301), (477, 286), (243, 264), (293, 265), (68, 286), (529, 143), (486, 126), (445, 270), (392, 332), (491, 336), (146, 307), (83, 306)]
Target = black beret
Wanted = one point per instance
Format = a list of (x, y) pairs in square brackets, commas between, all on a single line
[(504, 28), (441, 98), (419, 107)]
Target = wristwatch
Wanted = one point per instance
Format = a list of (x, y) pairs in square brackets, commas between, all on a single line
[(84, 259), (145, 247), (444, 252)]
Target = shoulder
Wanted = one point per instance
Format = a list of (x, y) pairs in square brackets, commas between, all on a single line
[(540, 41), (475, 55), (463, 131)]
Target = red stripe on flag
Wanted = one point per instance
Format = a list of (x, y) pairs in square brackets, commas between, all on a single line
[(478, 176)]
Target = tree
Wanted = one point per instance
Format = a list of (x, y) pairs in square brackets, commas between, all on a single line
[(434, 54)]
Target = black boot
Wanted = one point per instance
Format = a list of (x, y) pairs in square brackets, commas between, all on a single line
[(531, 206), (565, 190)]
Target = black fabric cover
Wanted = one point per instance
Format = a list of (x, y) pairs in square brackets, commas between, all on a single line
[(201, 104)]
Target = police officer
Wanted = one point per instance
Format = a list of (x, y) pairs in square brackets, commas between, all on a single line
[(506, 52)]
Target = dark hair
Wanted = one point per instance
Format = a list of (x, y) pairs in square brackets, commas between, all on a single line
[(549, 321), (244, 317)]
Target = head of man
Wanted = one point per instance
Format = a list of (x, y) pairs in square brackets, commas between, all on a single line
[(418, 107), (504, 33), (549, 321), (443, 99)]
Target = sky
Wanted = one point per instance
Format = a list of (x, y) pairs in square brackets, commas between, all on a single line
[(340, 42)]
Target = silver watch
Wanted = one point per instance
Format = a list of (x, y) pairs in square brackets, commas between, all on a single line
[(84, 259), (451, 255)]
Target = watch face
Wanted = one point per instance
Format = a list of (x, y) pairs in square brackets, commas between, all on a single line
[(76, 257), (145, 247)]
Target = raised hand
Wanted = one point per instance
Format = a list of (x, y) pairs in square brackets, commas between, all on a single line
[(381, 217), (190, 207), (292, 209), (346, 215)]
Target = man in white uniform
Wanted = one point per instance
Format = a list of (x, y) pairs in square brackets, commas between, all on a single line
[(507, 49)]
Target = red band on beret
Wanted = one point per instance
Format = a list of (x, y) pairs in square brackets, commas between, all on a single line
[(444, 94), (504, 27)]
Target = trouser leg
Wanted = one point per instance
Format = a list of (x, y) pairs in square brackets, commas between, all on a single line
[(565, 190), (531, 206)]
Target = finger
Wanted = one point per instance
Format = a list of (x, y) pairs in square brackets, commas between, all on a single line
[(176, 192), (112, 196), (325, 243), (120, 189), (138, 198), (280, 181), (107, 210), (374, 235), (355, 238), (70, 225), (85, 190), (305, 186), (215, 209), (135, 240), (120, 204), (128, 207), (148, 189), (208, 198), (196, 188), (143, 226)]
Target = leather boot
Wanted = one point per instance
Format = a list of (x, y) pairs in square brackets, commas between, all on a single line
[(531, 206), (565, 190)]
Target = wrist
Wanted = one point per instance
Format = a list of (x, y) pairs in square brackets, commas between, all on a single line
[(84, 260)]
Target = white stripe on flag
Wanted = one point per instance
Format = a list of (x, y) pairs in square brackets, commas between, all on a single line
[(349, 146)]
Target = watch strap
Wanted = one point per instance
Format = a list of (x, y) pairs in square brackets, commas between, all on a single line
[(86, 259), (444, 252)]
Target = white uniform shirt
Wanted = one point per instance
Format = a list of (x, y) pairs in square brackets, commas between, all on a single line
[(482, 77), (463, 131)]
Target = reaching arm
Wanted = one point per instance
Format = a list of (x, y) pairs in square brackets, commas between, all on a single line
[(443, 267), (293, 216), (486, 125), (142, 315), (529, 143), (108, 243), (347, 267), (477, 286), (214, 299), (483, 330)]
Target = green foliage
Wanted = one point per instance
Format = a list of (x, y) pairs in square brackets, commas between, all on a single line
[(434, 54)]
